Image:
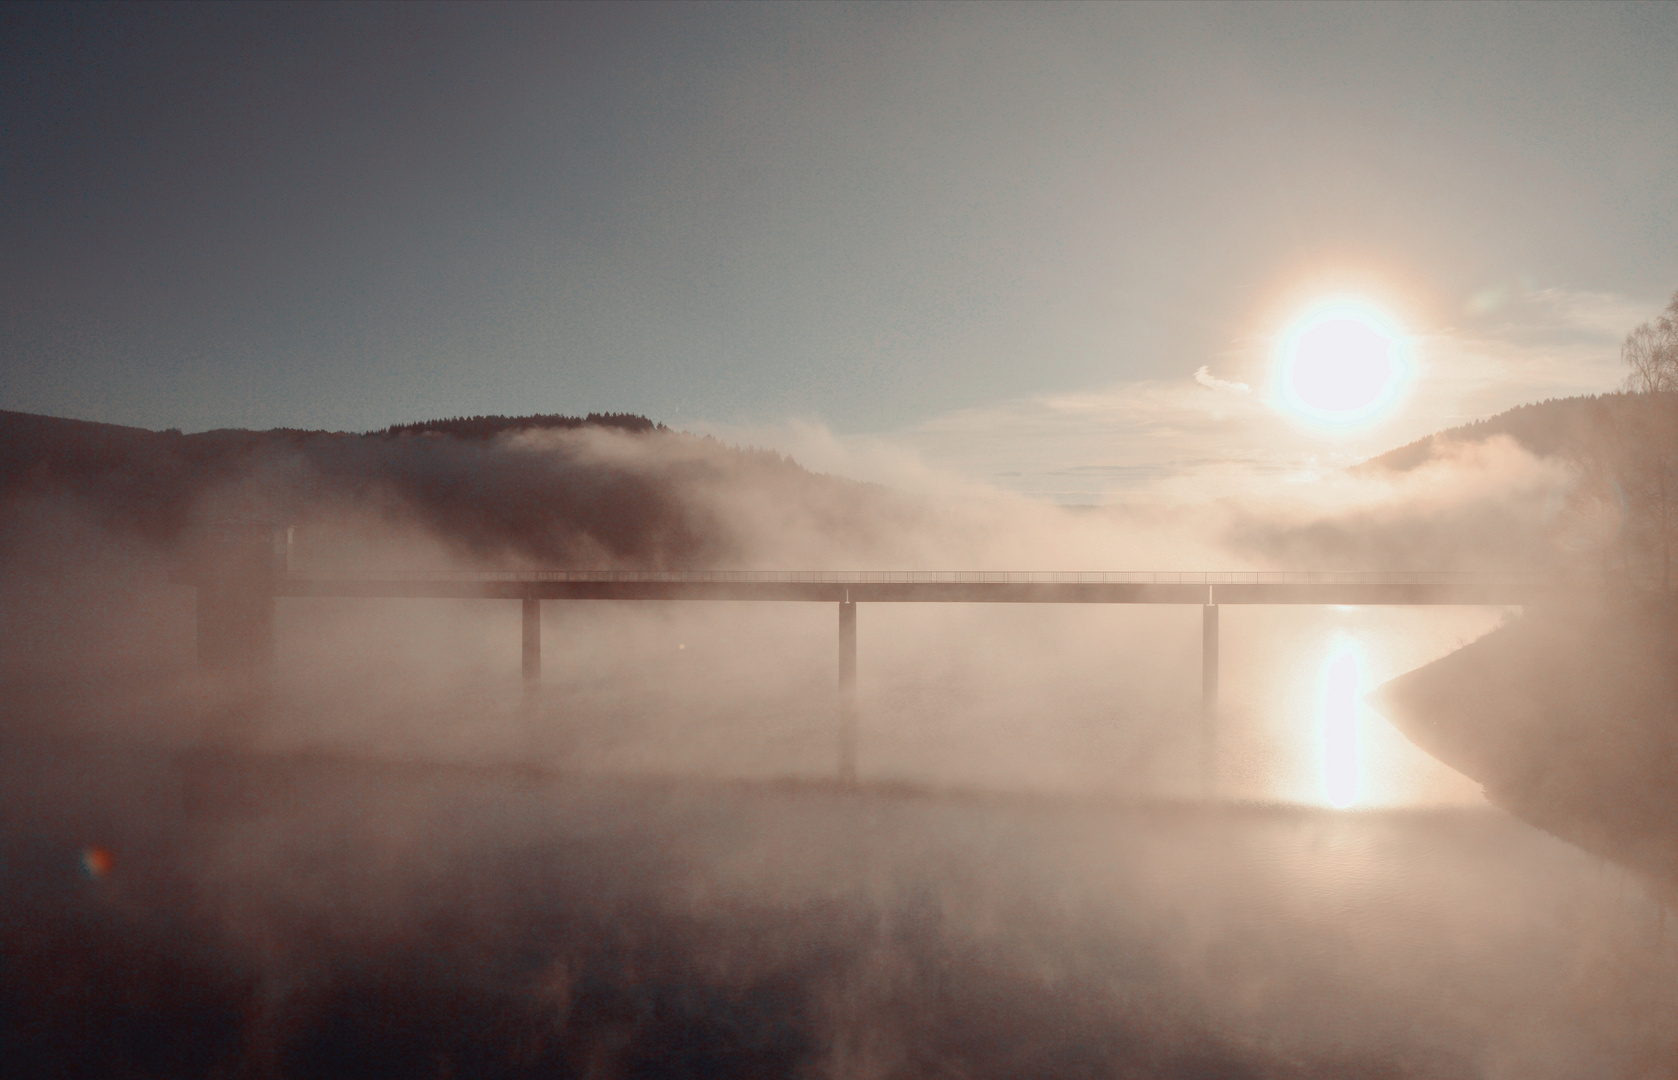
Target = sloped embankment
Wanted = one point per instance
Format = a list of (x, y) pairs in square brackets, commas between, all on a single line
[(1569, 717)]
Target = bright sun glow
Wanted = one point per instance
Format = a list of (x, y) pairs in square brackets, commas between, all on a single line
[(1340, 726), (1342, 362)]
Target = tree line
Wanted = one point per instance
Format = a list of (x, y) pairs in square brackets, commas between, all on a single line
[(1634, 471)]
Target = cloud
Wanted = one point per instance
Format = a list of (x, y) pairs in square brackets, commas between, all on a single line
[(1205, 378)]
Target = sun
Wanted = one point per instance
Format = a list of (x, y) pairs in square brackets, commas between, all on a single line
[(1342, 362)]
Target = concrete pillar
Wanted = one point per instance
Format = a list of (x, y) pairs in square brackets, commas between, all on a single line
[(532, 642), (1209, 696), (847, 692)]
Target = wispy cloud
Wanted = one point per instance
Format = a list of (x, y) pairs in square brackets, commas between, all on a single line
[(1205, 378)]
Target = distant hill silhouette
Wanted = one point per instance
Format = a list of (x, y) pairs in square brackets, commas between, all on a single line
[(607, 489), (1558, 427)]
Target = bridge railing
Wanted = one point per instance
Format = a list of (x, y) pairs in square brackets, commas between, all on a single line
[(961, 577)]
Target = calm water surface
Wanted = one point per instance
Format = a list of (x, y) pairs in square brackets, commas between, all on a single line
[(323, 917)]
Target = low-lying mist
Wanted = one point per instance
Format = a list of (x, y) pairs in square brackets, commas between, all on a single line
[(1015, 697), (397, 860)]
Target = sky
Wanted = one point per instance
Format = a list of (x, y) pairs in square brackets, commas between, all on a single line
[(1042, 247)]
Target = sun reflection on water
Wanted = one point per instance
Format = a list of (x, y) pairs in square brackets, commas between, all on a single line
[(1340, 698), (1302, 712)]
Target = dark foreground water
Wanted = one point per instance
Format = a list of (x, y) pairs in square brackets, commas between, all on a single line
[(256, 918)]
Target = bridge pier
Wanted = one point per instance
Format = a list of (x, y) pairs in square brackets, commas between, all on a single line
[(1209, 695), (532, 643), (847, 692)]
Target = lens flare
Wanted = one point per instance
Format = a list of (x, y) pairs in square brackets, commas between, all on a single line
[(96, 862), (1342, 362), (1340, 728)]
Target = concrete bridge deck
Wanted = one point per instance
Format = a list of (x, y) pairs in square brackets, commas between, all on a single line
[(942, 586)]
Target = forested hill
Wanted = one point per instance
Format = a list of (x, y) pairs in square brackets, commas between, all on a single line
[(1559, 427), (602, 490)]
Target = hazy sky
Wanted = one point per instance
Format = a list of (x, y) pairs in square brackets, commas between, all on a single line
[(965, 228)]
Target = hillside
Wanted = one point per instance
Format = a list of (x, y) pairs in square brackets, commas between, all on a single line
[(1558, 427), (1569, 718), (594, 491)]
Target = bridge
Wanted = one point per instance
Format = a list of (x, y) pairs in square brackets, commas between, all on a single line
[(937, 586), (235, 611)]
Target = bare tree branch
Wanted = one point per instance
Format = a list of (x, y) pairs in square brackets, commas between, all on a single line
[(1651, 352)]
